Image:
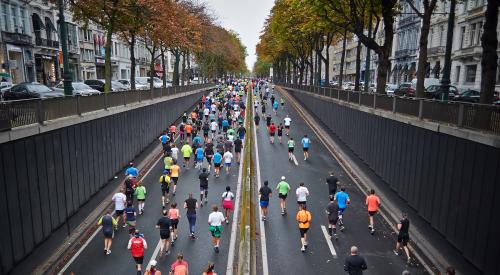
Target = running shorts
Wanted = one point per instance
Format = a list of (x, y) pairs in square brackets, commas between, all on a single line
[(333, 221), (141, 199), (164, 234), (303, 232), (372, 213), (227, 164), (186, 158), (209, 159), (139, 260), (272, 134), (403, 239), (165, 189), (264, 203), (301, 203), (290, 149), (287, 126), (119, 212), (108, 233), (305, 149), (217, 165), (175, 179), (227, 204), (282, 196), (174, 223)]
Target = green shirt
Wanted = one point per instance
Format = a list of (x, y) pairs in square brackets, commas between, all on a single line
[(291, 144), (230, 132), (186, 150), (140, 193), (283, 187), (168, 162)]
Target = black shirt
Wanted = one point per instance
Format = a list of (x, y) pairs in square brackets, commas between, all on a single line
[(191, 206), (268, 119), (332, 183), (405, 226), (242, 131), (257, 119), (333, 211), (164, 224), (203, 179), (237, 144), (354, 265), (264, 193)]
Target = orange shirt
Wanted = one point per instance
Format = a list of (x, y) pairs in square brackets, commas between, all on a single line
[(173, 128), (373, 202), (304, 218), (188, 128), (173, 213), (193, 115), (174, 171)]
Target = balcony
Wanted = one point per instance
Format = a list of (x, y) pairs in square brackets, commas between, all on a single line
[(16, 38), (435, 50), (408, 20), (405, 53), (469, 52), (46, 43)]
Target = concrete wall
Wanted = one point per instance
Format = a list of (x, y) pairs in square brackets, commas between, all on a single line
[(453, 183), (46, 178)]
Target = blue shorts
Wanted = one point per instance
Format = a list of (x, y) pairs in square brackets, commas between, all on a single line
[(341, 211), (227, 164), (264, 203)]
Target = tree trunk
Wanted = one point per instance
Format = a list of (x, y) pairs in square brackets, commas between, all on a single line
[(358, 66), (319, 62), (385, 51), (489, 59), (131, 47), (327, 65), (189, 76), (163, 67), (108, 74), (311, 70), (301, 72), (152, 70), (183, 69), (342, 59), (175, 77), (422, 52), (288, 80)]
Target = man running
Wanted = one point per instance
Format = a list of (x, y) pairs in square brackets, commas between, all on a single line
[(165, 182), (191, 204), (355, 264), (120, 201), (283, 189), (238, 143), (302, 193), (288, 121), (199, 157), (164, 225), (372, 203), (137, 245), (164, 139), (304, 219), (167, 161), (306, 142), (132, 171), (275, 107), (131, 217), (209, 152), (186, 151), (203, 177), (175, 171), (217, 163), (403, 236), (256, 119), (215, 220), (264, 194), (291, 148), (332, 210), (140, 194), (280, 132), (228, 158), (109, 224), (332, 181), (272, 132), (342, 201)]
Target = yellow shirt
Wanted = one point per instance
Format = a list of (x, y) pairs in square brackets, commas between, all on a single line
[(175, 170)]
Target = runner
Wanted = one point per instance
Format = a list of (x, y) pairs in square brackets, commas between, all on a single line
[(291, 147), (217, 163), (131, 217), (373, 203), (263, 106), (225, 126), (199, 157), (342, 201), (241, 132), (288, 122), (209, 152), (173, 216), (186, 153), (403, 236), (272, 132), (167, 161), (164, 225), (206, 130), (191, 204), (165, 182), (275, 107), (175, 171), (188, 128), (238, 143), (302, 193), (182, 131), (228, 158), (210, 269), (137, 245), (280, 132), (213, 127), (332, 210), (268, 120), (304, 219), (120, 201), (203, 177), (282, 101), (355, 264), (227, 202), (264, 194), (153, 269), (172, 130), (215, 220), (109, 224), (164, 139), (306, 142), (196, 141), (332, 184), (283, 189), (256, 120), (140, 194), (179, 267), (132, 171)]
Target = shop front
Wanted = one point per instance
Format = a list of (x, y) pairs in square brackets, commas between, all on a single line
[(99, 67), (46, 69)]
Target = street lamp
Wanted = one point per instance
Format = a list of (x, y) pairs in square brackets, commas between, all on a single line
[(445, 80), (63, 37)]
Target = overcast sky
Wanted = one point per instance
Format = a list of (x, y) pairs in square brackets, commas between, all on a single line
[(246, 17)]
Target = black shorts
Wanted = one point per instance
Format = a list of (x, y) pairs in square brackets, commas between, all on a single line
[(205, 134), (287, 126), (175, 179), (332, 192), (188, 134), (186, 158), (141, 199), (174, 223), (272, 134), (237, 150), (119, 212), (165, 189), (301, 203), (209, 159), (139, 260), (372, 213), (305, 149), (290, 149), (403, 239), (164, 234), (333, 221), (217, 165), (303, 231), (282, 196), (108, 234)]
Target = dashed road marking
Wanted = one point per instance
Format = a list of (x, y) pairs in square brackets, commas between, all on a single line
[(329, 241)]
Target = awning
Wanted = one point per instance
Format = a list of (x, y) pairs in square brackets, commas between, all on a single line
[(37, 22), (49, 25)]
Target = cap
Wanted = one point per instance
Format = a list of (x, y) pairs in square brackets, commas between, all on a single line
[(165, 172), (152, 263), (282, 177)]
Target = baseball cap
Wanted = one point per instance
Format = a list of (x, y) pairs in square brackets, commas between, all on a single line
[(152, 263), (282, 177)]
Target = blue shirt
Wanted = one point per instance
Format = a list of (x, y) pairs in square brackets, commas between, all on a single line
[(217, 158), (306, 142), (132, 171), (341, 198), (199, 153), (130, 211), (197, 140), (225, 123), (276, 105), (164, 139)]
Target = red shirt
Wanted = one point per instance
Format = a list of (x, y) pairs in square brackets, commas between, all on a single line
[(137, 247), (272, 128)]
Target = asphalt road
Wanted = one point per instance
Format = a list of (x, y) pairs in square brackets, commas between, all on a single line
[(282, 234)]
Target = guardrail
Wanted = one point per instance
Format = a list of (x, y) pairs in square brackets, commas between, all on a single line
[(30, 111), (473, 116)]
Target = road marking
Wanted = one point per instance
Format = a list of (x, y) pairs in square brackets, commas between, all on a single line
[(265, 267), (295, 160), (329, 241), (155, 253)]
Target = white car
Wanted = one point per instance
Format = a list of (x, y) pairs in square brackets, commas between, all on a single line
[(79, 88), (138, 86), (390, 88), (157, 83)]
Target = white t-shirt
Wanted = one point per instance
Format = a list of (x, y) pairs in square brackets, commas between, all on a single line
[(213, 125), (175, 152), (216, 218), (302, 193), (287, 121), (230, 137), (228, 196), (119, 199), (228, 157), (206, 111)]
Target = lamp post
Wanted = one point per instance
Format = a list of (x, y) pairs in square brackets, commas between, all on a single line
[(367, 60), (445, 80), (68, 88)]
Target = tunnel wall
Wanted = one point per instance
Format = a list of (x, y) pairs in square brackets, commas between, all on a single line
[(453, 183), (46, 178)]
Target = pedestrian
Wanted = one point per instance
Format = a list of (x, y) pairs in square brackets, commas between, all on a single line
[(354, 264), (140, 194), (288, 121), (217, 163), (228, 157), (227, 203), (264, 194), (215, 220), (173, 216), (343, 200), (191, 204), (306, 142), (179, 267), (120, 201), (372, 203), (175, 152), (130, 216), (153, 269), (164, 225), (272, 132), (203, 177), (302, 193), (332, 181), (172, 130), (199, 157), (165, 182), (283, 188), (137, 245), (109, 224), (332, 210), (291, 147), (175, 171), (131, 170), (210, 269), (186, 151), (280, 132), (238, 144), (304, 218), (403, 236), (164, 138)]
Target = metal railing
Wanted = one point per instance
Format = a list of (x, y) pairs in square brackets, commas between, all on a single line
[(25, 112), (462, 114)]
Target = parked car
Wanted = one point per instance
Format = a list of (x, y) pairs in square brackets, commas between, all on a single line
[(79, 88), (157, 83), (4, 86), (427, 82), (434, 91), (405, 89), (117, 86), (468, 96), (98, 84), (138, 86), (29, 90), (390, 88), (349, 86)]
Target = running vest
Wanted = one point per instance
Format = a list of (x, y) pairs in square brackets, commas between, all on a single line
[(304, 218), (137, 247)]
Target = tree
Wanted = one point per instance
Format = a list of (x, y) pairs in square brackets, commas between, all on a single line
[(489, 42)]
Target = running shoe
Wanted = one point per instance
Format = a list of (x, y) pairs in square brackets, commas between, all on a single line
[(108, 252)]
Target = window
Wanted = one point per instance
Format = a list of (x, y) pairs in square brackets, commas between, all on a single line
[(13, 18), (441, 36), (472, 34), (457, 74), (479, 33), (5, 17), (471, 73), (431, 38), (24, 21), (462, 36)]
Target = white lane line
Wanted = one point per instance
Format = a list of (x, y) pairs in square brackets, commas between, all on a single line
[(155, 253), (295, 160), (329, 241), (265, 267)]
